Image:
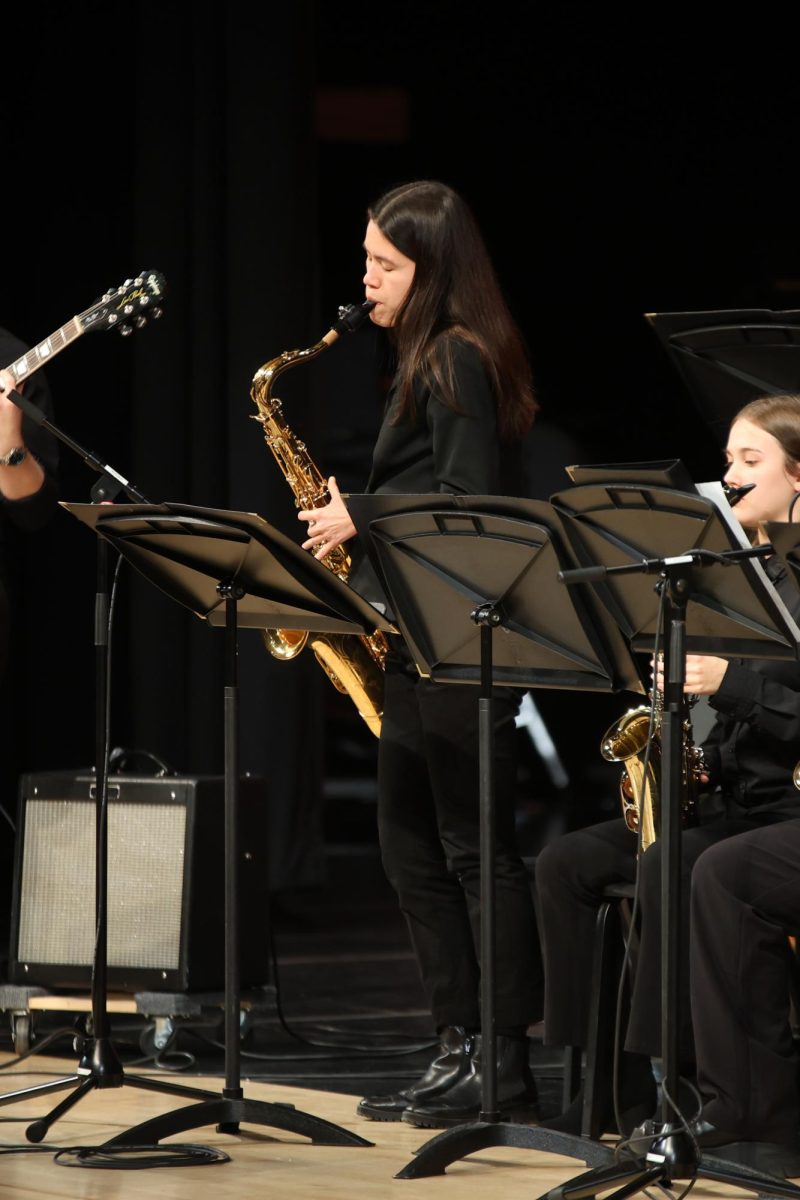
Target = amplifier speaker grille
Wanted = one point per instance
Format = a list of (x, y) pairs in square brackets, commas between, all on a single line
[(165, 901)]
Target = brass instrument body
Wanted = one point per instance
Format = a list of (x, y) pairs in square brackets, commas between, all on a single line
[(635, 741), (354, 663), (626, 742)]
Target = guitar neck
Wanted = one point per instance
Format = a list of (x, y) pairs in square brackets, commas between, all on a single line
[(45, 350)]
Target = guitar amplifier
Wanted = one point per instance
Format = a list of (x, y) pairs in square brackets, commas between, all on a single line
[(166, 874)]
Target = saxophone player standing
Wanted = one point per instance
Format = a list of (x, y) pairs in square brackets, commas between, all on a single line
[(749, 755), (460, 402)]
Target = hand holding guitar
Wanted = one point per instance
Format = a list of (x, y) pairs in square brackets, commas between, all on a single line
[(126, 307), (20, 474)]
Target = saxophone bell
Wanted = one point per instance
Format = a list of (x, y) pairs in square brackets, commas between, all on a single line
[(635, 741), (628, 741), (284, 644)]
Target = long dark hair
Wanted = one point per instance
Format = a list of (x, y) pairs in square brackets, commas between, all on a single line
[(454, 295)]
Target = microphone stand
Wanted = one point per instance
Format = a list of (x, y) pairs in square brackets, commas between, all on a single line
[(673, 1154), (99, 1065)]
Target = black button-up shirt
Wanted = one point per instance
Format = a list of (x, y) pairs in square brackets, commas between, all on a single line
[(754, 745)]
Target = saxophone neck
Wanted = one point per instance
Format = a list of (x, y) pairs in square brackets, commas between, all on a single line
[(351, 316), (266, 375)]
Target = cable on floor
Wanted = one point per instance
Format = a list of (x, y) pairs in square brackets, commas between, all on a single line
[(138, 1158)]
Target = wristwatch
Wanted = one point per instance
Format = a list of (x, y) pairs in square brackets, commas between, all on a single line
[(14, 457)]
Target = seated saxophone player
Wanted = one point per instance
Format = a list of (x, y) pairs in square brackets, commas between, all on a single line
[(747, 794), (460, 402)]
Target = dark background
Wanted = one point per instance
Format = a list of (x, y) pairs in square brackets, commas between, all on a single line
[(616, 170)]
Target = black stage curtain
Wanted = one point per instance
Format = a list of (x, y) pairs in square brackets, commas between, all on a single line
[(194, 155)]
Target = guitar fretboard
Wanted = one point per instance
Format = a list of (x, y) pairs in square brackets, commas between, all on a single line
[(45, 350)]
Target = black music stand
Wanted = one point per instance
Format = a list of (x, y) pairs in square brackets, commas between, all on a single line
[(472, 581), (231, 569), (727, 358), (688, 541)]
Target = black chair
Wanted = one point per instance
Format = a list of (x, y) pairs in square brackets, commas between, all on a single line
[(613, 926)]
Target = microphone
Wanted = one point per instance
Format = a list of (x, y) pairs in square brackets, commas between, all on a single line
[(734, 494)]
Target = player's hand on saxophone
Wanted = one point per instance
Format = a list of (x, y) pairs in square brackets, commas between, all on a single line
[(704, 674), (328, 526)]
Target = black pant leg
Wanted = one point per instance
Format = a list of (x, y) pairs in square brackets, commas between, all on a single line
[(450, 719), (430, 896), (571, 873), (430, 841), (745, 896), (644, 1026)]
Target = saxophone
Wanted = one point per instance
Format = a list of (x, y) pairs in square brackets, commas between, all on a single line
[(354, 663), (635, 740)]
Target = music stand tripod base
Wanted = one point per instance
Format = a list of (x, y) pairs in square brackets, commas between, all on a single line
[(453, 1144)]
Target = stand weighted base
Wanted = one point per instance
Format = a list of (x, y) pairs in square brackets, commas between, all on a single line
[(226, 1112), (672, 1157), (452, 1144), (636, 1178)]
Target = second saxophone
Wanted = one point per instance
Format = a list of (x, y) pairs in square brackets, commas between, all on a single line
[(635, 741)]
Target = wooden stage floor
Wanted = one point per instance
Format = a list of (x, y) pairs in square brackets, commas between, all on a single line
[(263, 1161)]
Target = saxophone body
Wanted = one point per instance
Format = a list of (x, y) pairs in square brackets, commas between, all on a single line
[(354, 663), (635, 741)]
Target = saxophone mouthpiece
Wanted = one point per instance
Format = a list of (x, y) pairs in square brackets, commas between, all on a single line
[(734, 494), (351, 316)]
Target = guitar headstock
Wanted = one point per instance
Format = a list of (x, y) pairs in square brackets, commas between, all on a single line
[(128, 307)]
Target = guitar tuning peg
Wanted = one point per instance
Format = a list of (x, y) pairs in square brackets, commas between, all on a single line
[(140, 321), (125, 330), (156, 312)]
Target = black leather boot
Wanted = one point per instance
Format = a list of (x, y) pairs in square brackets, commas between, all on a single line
[(450, 1065), (517, 1099)]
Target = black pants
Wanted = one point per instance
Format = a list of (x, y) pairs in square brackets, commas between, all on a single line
[(745, 897), (428, 819), (571, 873)]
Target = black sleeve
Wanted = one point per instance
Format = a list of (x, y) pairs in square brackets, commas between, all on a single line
[(770, 706)]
